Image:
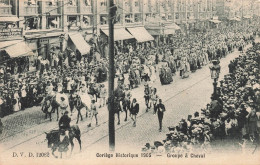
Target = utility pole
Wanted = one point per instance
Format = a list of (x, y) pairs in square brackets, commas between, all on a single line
[(111, 120)]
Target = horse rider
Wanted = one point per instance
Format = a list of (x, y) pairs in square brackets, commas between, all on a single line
[(119, 95), (64, 122), (147, 95)]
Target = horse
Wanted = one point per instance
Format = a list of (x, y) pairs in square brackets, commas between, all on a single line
[(93, 91), (126, 104), (79, 105), (132, 79), (147, 97), (118, 102), (49, 106), (53, 138)]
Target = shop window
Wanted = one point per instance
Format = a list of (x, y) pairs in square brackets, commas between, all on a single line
[(147, 17), (88, 2), (129, 18), (72, 2), (52, 22), (30, 2), (87, 20), (138, 18), (4, 3), (136, 2), (103, 2), (53, 2), (177, 16), (7, 25), (72, 21), (31, 23), (103, 19), (188, 15)]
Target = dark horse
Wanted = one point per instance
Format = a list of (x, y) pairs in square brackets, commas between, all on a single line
[(93, 91), (79, 105), (49, 106), (118, 101), (126, 105), (53, 138)]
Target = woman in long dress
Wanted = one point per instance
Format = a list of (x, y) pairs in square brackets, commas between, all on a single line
[(153, 74), (17, 106), (60, 87)]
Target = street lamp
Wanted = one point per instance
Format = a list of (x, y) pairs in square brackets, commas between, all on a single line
[(215, 70)]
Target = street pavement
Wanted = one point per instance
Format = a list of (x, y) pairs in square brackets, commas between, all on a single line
[(181, 98)]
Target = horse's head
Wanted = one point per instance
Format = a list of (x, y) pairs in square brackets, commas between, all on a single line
[(52, 137)]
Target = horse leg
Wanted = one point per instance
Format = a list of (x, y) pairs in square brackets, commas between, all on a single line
[(57, 110), (72, 145), (71, 109), (125, 114), (78, 117), (50, 116), (81, 118), (53, 150), (79, 140), (118, 117)]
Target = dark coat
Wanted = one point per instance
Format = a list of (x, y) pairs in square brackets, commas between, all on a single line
[(134, 109), (64, 122), (160, 109)]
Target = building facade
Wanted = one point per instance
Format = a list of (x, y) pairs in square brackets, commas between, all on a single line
[(46, 23)]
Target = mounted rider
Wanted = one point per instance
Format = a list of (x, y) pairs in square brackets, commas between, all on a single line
[(64, 122), (119, 95), (147, 96), (64, 128)]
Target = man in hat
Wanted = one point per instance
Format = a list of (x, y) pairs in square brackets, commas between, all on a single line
[(160, 111), (64, 122)]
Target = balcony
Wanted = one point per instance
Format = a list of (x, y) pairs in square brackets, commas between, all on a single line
[(147, 8), (136, 9), (6, 10), (127, 9), (153, 9), (52, 9), (71, 10), (103, 10), (86, 9), (31, 10)]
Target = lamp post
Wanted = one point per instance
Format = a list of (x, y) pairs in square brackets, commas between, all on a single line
[(214, 71)]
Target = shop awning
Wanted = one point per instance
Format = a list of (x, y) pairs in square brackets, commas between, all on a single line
[(215, 21), (234, 19), (248, 17), (80, 43), (140, 34), (8, 43), (119, 34), (170, 29), (19, 49), (9, 19), (176, 27)]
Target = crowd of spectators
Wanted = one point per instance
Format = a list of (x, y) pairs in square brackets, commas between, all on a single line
[(234, 115)]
